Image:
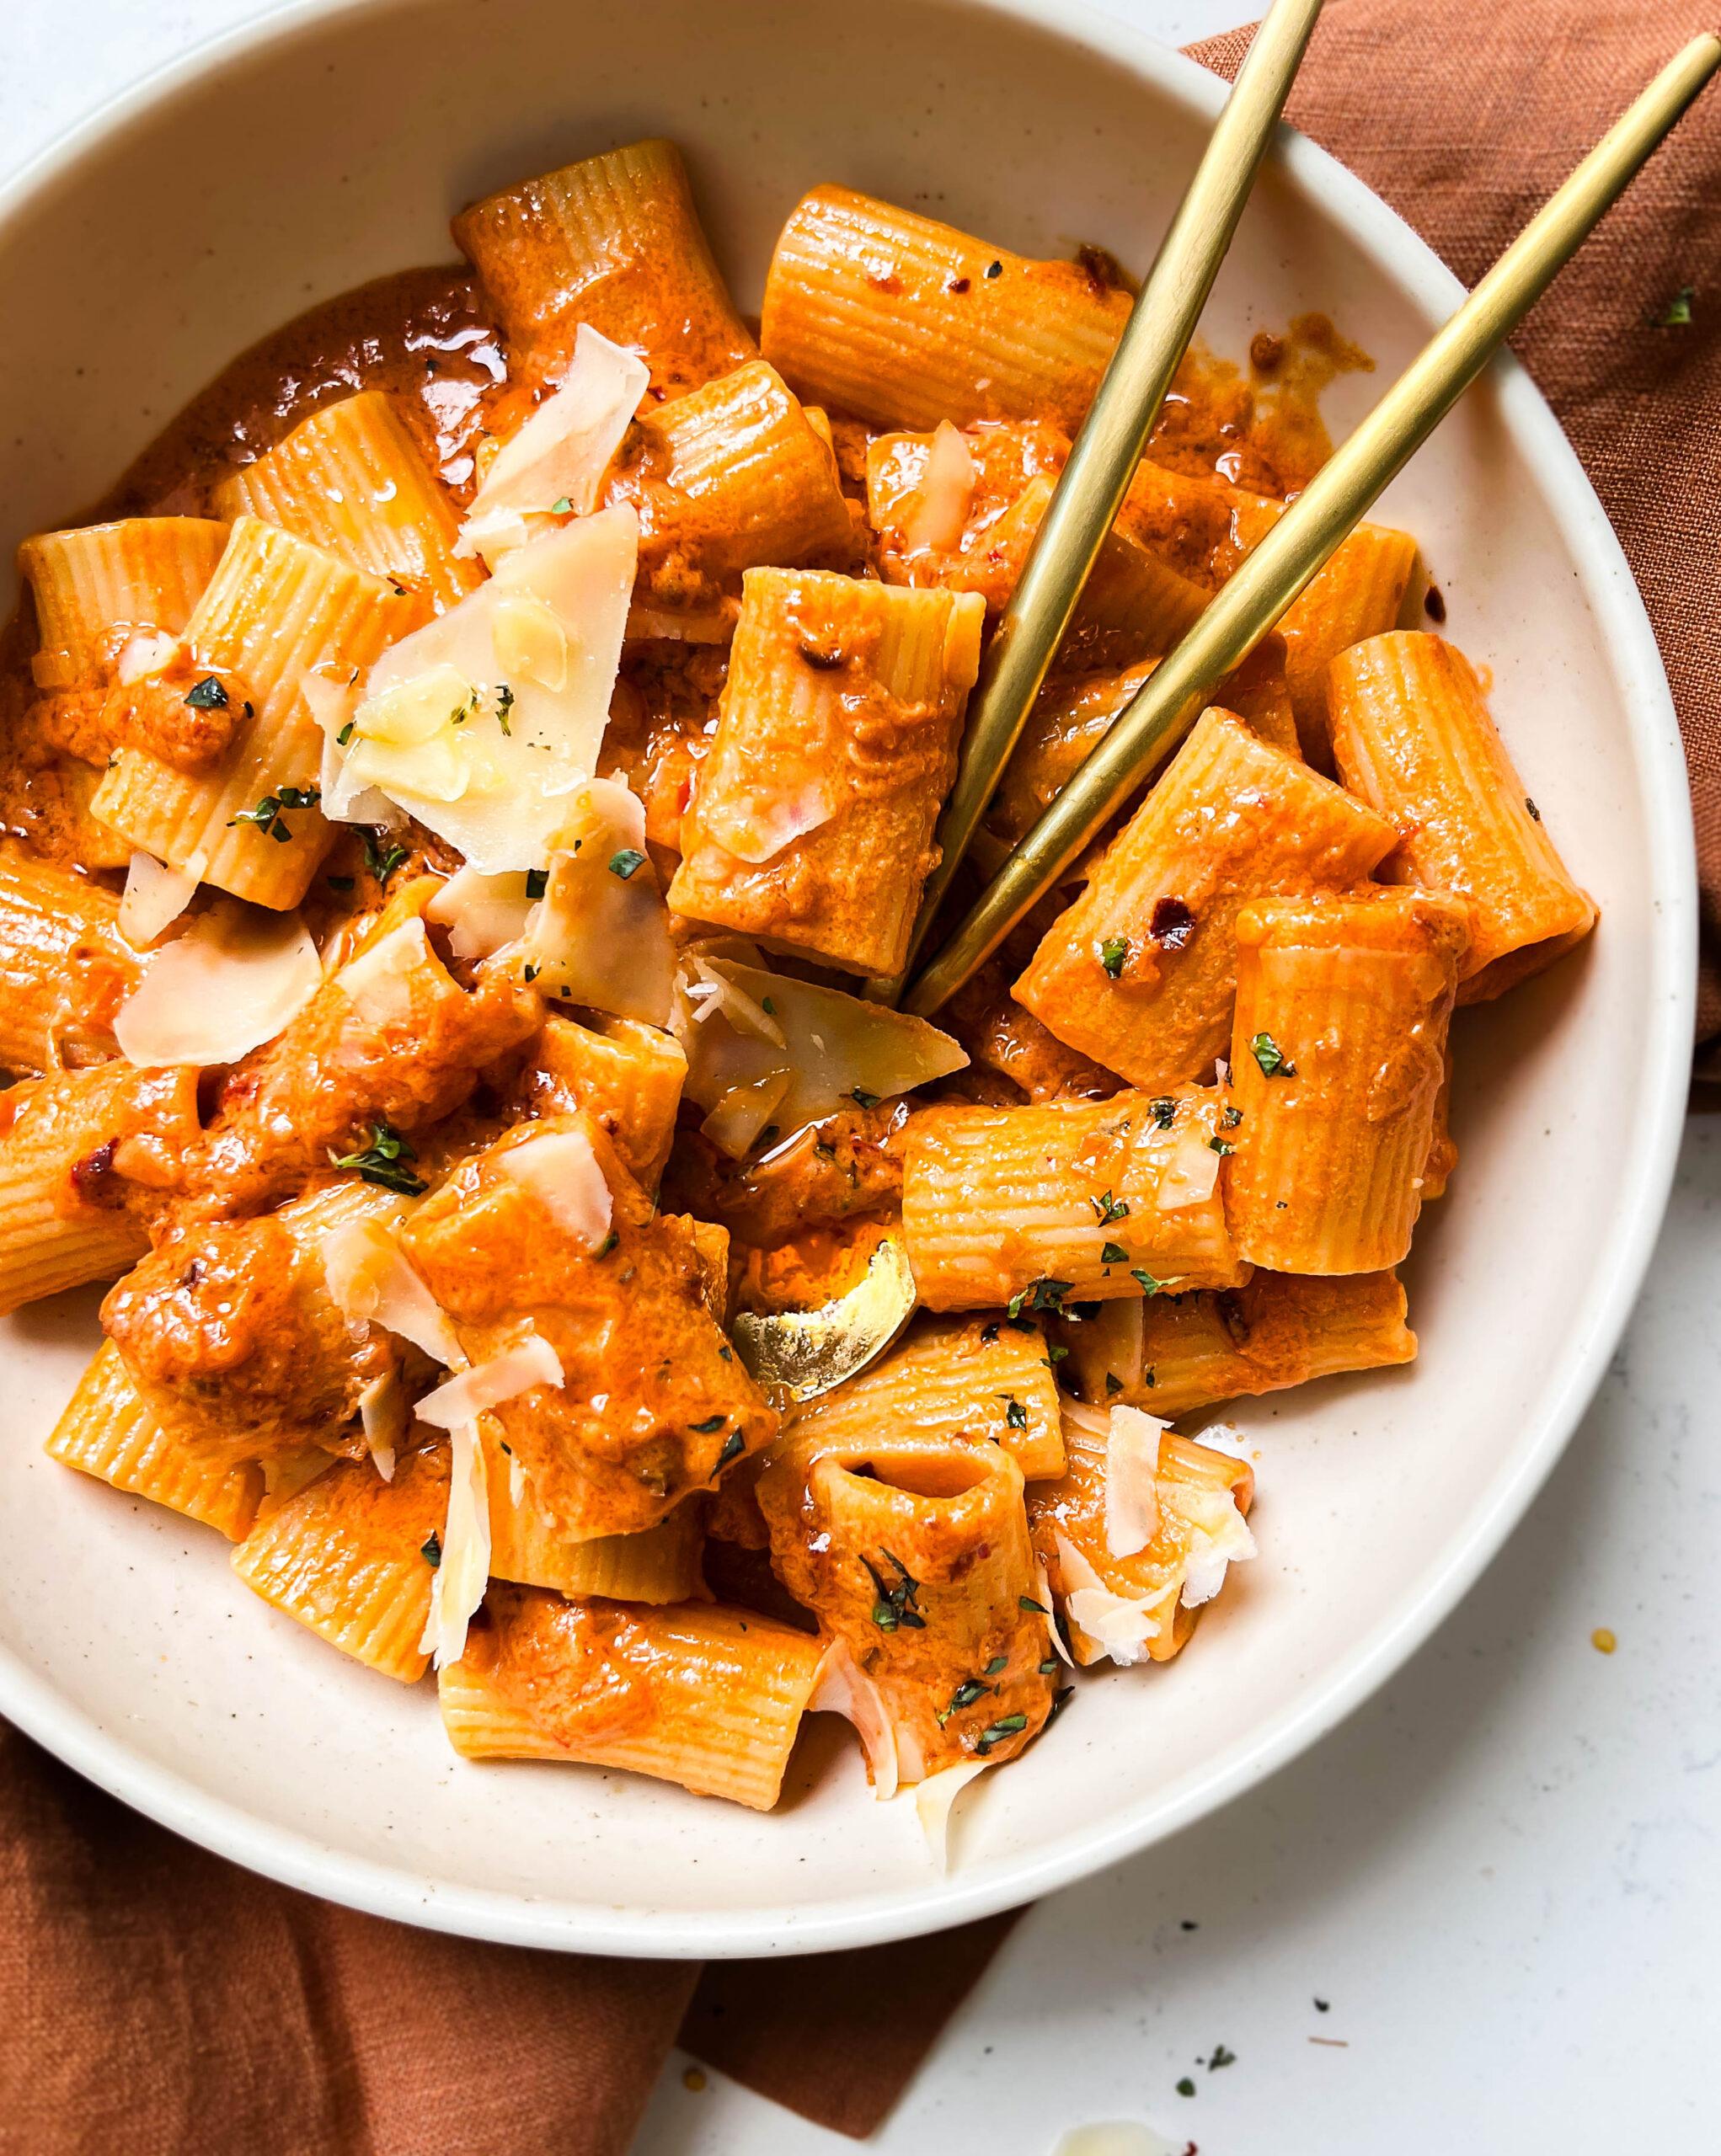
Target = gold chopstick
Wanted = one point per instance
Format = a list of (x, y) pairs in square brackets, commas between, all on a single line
[(1246, 607), (1091, 488)]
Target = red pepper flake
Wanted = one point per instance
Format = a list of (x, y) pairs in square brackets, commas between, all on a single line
[(1172, 924), (1266, 351), (1434, 603), (884, 280), (90, 1176), (956, 284)]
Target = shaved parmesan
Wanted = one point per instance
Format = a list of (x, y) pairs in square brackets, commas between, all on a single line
[(147, 652), (1120, 1625), (1225, 1438), (601, 937), (1043, 1596), (832, 1047), (482, 914), (1132, 1467), (481, 747), (757, 824), (934, 1798), (379, 981), (562, 452), (735, 1122), (384, 1412), (943, 498), (457, 1586), (1113, 2138), (842, 1687), (1191, 1172), (371, 1281), (1219, 1536), (230, 983), (154, 897), (533, 1362), (561, 1170)]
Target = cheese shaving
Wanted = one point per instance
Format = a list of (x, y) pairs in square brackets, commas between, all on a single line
[(154, 897), (520, 1369), (1043, 1596), (1131, 1466), (756, 826), (230, 983), (562, 452), (944, 495), (1219, 1537), (1113, 2138), (144, 653), (601, 937), (457, 1586), (1120, 1625), (384, 1412), (842, 1687), (482, 914), (561, 1171), (371, 1281), (1191, 1170), (379, 981), (934, 1800)]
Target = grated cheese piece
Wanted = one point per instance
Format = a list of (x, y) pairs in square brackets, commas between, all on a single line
[(1131, 1468), (1119, 1625), (461, 1577), (1219, 1537), (482, 914), (1191, 1172), (371, 1282), (944, 495), (531, 1363), (154, 897), (379, 981), (504, 750), (561, 1170), (601, 937), (384, 1412), (230, 983), (934, 1800), (843, 1688), (562, 452), (144, 653)]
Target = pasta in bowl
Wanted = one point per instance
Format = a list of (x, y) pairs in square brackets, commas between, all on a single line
[(457, 814)]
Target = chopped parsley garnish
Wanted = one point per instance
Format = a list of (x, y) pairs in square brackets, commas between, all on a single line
[(504, 705), (1112, 954), (563, 507), (1221, 1146), (998, 1664), (267, 816), (1114, 1254), (896, 1604), (726, 1354), (431, 1550), (1148, 1378), (995, 269), (383, 1162), (345, 733), (995, 1732), (1114, 1383), (338, 883), (1015, 1414), (1049, 1667), (382, 857), (767, 1006), (1055, 1353), (537, 881), (624, 862), (1272, 1059), (1231, 1118), (1108, 1208), (1041, 1296), (711, 1422), (532, 973), (1223, 2055), (733, 1447), (207, 695), (1535, 812), (1163, 1110), (866, 1100), (604, 1249), (1145, 1281), (1059, 1701), (1677, 313), (966, 1693), (1028, 1602), (1186, 2087)]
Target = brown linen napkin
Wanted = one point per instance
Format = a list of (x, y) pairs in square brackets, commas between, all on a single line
[(1464, 115), (157, 2002)]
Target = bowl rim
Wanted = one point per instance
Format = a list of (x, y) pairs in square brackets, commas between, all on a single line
[(1401, 257)]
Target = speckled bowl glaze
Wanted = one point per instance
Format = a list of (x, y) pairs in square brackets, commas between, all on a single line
[(331, 143)]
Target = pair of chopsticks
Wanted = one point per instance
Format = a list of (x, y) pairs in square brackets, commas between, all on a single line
[(1093, 482)]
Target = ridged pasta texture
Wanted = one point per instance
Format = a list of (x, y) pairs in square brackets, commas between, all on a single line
[(1066, 1202), (660, 1564), (904, 322), (1140, 973), (277, 609), (628, 1075), (613, 241), (65, 968), (697, 1693), (347, 1558), (812, 824), (108, 1431), (1337, 1057), (1412, 736), (352, 480), (96, 586), (914, 1557), (81, 1153)]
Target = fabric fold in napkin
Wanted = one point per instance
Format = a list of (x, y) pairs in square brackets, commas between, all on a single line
[(156, 2000)]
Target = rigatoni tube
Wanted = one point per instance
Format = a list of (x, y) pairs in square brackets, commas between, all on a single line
[(1066, 1202), (65, 968), (1140, 972), (1413, 735), (812, 827), (1338, 1055), (904, 321), (98, 585)]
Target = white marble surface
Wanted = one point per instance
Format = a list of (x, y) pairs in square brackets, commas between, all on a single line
[(1503, 1875)]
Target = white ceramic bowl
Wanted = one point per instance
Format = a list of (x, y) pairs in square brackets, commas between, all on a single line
[(331, 143)]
